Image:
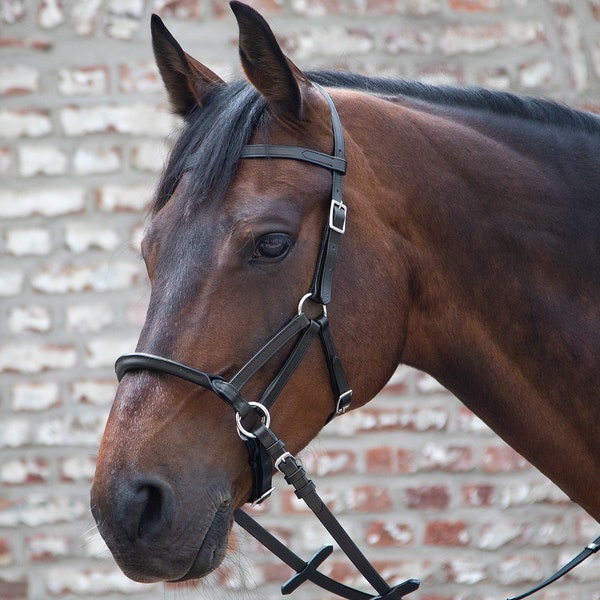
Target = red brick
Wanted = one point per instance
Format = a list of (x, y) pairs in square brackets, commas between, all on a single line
[(6, 555), (329, 462), (368, 498), (475, 5), (447, 533), (387, 460), (14, 589), (502, 459), (434, 497), (478, 495), (386, 534)]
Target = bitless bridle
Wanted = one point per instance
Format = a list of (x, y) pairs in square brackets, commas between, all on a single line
[(253, 418)]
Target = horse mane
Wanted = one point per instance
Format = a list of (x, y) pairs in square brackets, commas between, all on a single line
[(543, 111), (219, 131)]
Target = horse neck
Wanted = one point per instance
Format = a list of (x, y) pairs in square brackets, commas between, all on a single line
[(499, 311)]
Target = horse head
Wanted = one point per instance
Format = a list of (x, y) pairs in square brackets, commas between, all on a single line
[(230, 250)]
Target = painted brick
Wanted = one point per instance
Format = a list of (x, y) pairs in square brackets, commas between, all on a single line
[(519, 569), (13, 11), (90, 160), (134, 198), (117, 275), (24, 471), (386, 534), (148, 155), (41, 160), (139, 76), (316, 42), (499, 533), (471, 39), (14, 432), (98, 392), (408, 39), (329, 462), (134, 119), (77, 469), (68, 431), (28, 241), (446, 458), (83, 81), (464, 571), (39, 509), (25, 123), (11, 282), (83, 236), (51, 13), (18, 80), (502, 459), (39, 201), (87, 318), (46, 548), (177, 9), (103, 352), (478, 495), (35, 358), (35, 396), (84, 16), (88, 582)]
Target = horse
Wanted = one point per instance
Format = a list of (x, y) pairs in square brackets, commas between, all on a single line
[(466, 244)]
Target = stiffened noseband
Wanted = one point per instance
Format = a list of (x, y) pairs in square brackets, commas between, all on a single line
[(265, 449)]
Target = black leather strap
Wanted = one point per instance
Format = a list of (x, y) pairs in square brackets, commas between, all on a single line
[(333, 163), (585, 553)]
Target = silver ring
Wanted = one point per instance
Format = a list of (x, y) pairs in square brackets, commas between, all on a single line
[(266, 419), (304, 299)]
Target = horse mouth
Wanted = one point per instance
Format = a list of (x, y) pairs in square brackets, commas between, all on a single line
[(213, 547)]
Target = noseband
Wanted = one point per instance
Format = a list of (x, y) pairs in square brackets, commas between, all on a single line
[(253, 418)]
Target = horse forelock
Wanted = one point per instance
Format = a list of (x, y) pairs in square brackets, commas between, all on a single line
[(217, 134)]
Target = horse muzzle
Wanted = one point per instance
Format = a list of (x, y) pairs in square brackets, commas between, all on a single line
[(155, 535)]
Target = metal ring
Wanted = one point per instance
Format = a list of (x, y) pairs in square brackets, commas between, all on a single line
[(266, 419), (304, 299)]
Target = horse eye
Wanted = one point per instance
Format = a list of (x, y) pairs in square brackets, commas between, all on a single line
[(272, 247)]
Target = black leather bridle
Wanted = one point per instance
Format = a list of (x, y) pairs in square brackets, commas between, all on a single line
[(253, 418)]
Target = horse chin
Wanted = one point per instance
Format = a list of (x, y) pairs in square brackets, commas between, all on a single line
[(213, 548)]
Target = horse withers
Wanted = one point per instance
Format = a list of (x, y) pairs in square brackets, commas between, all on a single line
[(470, 249)]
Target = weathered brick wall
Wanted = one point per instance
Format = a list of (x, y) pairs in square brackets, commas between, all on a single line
[(425, 488)]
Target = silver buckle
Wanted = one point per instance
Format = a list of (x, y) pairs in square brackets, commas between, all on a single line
[(281, 459), (343, 403), (337, 204)]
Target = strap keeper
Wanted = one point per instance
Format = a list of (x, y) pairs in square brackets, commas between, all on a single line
[(338, 212)]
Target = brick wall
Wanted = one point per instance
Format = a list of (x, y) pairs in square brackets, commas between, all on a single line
[(425, 488)]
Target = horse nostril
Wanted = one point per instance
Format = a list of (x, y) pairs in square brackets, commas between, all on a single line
[(152, 501), (147, 509)]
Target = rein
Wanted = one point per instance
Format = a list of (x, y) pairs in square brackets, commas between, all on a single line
[(265, 449)]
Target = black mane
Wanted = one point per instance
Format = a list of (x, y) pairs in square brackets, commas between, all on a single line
[(219, 131)]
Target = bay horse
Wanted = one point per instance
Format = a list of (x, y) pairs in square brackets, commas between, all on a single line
[(467, 245)]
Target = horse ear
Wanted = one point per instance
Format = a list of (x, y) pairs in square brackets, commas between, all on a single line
[(188, 82), (265, 65)]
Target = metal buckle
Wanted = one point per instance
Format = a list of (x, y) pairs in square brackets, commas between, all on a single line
[(263, 497), (335, 205), (266, 419), (304, 299), (343, 403), (281, 459)]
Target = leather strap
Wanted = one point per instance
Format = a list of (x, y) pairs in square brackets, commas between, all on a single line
[(585, 553)]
